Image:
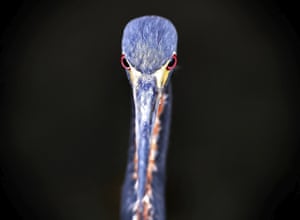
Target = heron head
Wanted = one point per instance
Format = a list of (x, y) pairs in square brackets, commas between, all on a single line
[(149, 49), (149, 46)]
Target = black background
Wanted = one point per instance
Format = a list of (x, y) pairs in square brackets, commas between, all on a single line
[(65, 109)]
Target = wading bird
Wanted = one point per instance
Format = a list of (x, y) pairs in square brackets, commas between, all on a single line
[(149, 57)]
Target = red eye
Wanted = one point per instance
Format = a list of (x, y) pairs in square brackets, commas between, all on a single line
[(171, 65), (124, 63)]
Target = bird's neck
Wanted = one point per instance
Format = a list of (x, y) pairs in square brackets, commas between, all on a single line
[(153, 204)]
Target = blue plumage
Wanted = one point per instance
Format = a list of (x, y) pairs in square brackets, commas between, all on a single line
[(149, 42)]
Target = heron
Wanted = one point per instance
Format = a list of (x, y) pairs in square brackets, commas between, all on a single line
[(149, 56)]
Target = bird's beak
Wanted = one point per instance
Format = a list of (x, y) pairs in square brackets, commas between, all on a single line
[(146, 96)]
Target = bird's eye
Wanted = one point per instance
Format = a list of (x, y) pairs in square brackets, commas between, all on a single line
[(171, 65), (124, 63)]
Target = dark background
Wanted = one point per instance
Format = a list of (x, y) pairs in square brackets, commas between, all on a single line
[(65, 109)]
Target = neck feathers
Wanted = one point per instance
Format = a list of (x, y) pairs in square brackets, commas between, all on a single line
[(151, 206)]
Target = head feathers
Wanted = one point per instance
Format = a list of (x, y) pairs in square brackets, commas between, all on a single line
[(149, 42)]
